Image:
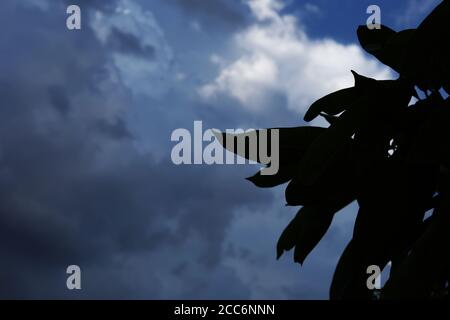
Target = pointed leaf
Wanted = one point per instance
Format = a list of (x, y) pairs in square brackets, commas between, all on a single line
[(321, 154), (373, 40), (292, 142), (332, 104), (336, 184), (386, 45), (307, 229), (284, 174)]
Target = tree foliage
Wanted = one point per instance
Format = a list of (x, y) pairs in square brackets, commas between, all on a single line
[(391, 157)]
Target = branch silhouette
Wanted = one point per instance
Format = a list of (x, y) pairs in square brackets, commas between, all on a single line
[(391, 157)]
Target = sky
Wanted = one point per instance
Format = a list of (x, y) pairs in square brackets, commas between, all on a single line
[(86, 117)]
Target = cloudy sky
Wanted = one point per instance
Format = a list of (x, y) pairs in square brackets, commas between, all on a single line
[(86, 118)]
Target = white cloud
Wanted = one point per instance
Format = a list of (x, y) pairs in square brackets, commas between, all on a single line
[(416, 9), (265, 9), (246, 79), (277, 56), (143, 75), (312, 8)]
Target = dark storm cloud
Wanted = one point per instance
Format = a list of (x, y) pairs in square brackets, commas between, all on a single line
[(116, 130), (74, 189), (103, 5), (224, 11), (128, 43), (59, 99)]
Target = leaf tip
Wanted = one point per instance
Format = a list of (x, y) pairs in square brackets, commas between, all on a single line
[(280, 252)]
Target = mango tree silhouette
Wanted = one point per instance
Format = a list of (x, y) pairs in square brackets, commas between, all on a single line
[(393, 158)]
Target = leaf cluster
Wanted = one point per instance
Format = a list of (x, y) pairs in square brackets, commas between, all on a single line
[(389, 155)]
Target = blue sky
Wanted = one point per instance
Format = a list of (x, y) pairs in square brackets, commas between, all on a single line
[(86, 118)]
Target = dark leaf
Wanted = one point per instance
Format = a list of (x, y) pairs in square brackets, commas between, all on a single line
[(330, 119), (323, 152), (363, 83), (306, 230), (350, 277), (374, 40), (292, 142), (332, 104), (336, 184), (284, 174), (428, 51), (427, 264), (386, 45)]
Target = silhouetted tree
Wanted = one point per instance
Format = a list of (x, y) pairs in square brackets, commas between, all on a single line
[(393, 158)]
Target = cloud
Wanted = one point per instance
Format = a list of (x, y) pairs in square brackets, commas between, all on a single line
[(74, 189), (415, 10), (220, 11), (312, 8), (139, 49), (250, 247), (128, 43), (276, 56)]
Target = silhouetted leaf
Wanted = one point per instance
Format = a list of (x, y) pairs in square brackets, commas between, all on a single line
[(392, 198), (363, 83), (321, 154), (388, 46), (284, 174), (350, 276), (435, 25), (373, 40), (330, 119), (393, 158), (336, 184), (339, 101), (332, 104), (307, 229), (428, 262), (292, 142), (428, 51), (430, 142)]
